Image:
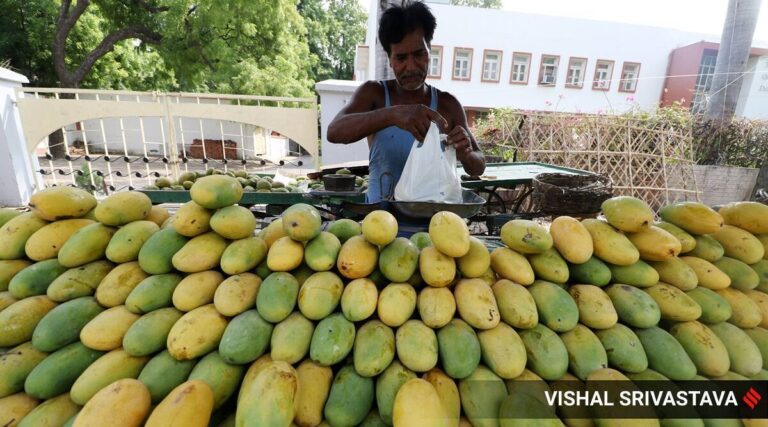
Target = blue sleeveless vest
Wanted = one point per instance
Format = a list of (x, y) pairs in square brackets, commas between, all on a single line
[(389, 151)]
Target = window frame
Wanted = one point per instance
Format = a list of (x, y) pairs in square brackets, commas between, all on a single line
[(541, 70), (583, 72), (610, 75), (621, 76), (498, 71), (440, 63), (469, 65), (527, 69)]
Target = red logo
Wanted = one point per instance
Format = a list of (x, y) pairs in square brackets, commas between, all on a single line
[(751, 398)]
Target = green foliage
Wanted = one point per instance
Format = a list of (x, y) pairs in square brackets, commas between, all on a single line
[(230, 46), (488, 4), (334, 28), (83, 180)]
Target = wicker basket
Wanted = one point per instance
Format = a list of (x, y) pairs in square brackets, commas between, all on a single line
[(567, 194)]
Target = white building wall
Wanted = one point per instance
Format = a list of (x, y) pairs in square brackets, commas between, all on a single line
[(481, 29), (753, 98), (18, 174), (334, 94)]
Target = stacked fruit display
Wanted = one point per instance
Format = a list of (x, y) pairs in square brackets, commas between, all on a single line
[(118, 314), (251, 182)]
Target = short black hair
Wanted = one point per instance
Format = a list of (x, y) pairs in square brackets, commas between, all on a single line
[(397, 21)]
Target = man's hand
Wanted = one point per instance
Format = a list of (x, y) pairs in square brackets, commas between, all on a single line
[(458, 137), (416, 119)]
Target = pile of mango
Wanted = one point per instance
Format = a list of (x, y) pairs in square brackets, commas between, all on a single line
[(117, 313), (249, 182)]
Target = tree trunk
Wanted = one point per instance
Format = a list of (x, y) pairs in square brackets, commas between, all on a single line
[(732, 56), (56, 140), (382, 70)]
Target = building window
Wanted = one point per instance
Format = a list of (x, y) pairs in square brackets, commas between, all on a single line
[(575, 76), (703, 80), (521, 63), (462, 63), (629, 74), (548, 70), (435, 62), (603, 73), (491, 65)]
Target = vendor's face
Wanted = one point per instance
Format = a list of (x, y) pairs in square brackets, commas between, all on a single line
[(410, 60)]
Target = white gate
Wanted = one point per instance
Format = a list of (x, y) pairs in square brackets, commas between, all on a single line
[(116, 140)]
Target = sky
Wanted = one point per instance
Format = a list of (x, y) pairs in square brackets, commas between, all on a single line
[(699, 16)]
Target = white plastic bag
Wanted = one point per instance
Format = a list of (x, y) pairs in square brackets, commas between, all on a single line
[(430, 173)]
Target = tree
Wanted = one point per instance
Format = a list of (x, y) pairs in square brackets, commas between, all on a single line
[(229, 46), (732, 56), (334, 30), (488, 4)]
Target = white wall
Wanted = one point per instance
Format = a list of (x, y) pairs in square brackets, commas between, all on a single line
[(507, 31), (18, 170), (753, 98), (334, 94)]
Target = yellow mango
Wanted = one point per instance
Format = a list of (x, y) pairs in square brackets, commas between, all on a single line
[(379, 228), (301, 222), (516, 305), (6, 299), (158, 215), (54, 412), (449, 234), (476, 304), (763, 238), (233, 222), (571, 239), (750, 216), (746, 312), (357, 258), (123, 207), (611, 245), (105, 331), (448, 393), (118, 284), (673, 303), (687, 242), (627, 213), (196, 289), (709, 276), (9, 268), (503, 351), (216, 191), (192, 219), (201, 253), (15, 407), (596, 310), (417, 404), (197, 333), (525, 236), (15, 233), (396, 304), (510, 265), (272, 232), (18, 320), (655, 244), (188, 405), (476, 261), (256, 367), (285, 254), (124, 403), (270, 399), (55, 203), (693, 217), (436, 306), (740, 244), (359, 299), (113, 366), (236, 294), (677, 273), (46, 242), (761, 299), (314, 386), (436, 268)]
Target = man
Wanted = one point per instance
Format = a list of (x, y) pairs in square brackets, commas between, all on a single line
[(392, 113)]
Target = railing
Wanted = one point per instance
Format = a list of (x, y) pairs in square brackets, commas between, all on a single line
[(114, 140)]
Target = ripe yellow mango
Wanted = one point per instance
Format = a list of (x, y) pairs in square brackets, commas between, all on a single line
[(449, 234), (379, 228), (46, 242), (627, 213), (693, 217), (709, 275), (611, 245), (476, 303), (357, 258), (510, 265), (436, 268), (525, 237), (192, 219), (740, 244), (571, 239), (750, 216), (55, 203), (285, 254), (125, 402), (476, 261), (417, 404), (655, 244), (188, 405)]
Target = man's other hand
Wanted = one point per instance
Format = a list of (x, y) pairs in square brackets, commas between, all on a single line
[(458, 137), (416, 119)]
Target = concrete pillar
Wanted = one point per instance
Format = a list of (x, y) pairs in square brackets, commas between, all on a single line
[(17, 166)]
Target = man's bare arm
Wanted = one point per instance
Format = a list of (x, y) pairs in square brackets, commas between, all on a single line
[(361, 118), (467, 150)]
